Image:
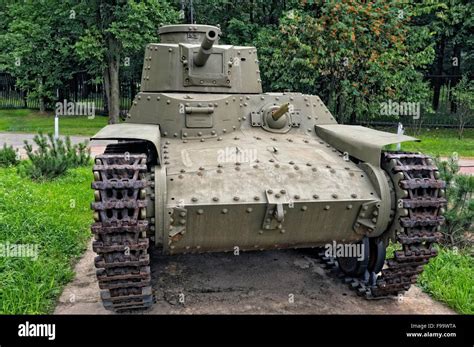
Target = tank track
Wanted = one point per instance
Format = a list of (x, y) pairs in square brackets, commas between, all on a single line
[(415, 226), (120, 231)]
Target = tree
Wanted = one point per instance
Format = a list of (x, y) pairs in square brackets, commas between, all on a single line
[(353, 55), (453, 23), (115, 30), (464, 96), (36, 46)]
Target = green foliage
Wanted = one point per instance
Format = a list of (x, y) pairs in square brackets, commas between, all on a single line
[(460, 210), (353, 55), (8, 156), (53, 157), (36, 46), (52, 215)]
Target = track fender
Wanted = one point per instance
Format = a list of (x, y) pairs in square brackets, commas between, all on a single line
[(359, 142), (131, 131)]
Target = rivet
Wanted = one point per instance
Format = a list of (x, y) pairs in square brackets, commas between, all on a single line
[(365, 207), (315, 196), (297, 167), (296, 196), (277, 195), (224, 210), (304, 208), (314, 169), (334, 196), (193, 199), (215, 198), (249, 210), (236, 198), (270, 191), (349, 207), (256, 198), (327, 207)]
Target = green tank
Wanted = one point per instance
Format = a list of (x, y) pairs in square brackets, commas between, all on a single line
[(207, 162)]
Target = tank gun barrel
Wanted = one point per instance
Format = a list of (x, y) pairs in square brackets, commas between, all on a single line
[(206, 48), (278, 113)]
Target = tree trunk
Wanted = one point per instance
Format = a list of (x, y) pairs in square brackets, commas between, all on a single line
[(111, 80), (114, 109), (456, 76), (42, 107), (438, 80)]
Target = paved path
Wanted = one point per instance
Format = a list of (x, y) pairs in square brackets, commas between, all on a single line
[(17, 141)]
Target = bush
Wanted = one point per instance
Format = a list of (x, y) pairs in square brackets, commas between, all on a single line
[(8, 156), (460, 210), (53, 157)]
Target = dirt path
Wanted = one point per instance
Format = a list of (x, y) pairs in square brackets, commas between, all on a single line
[(260, 282)]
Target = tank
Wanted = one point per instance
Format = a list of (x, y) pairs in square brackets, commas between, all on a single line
[(207, 162)]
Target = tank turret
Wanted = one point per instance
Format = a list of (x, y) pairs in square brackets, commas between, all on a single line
[(190, 58)]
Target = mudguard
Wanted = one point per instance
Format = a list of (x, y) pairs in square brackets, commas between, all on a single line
[(359, 142), (131, 131)]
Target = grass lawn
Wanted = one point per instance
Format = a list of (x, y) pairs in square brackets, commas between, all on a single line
[(449, 278), (28, 121), (56, 217), (443, 142)]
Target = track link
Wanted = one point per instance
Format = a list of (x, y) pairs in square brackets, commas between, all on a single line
[(120, 230), (416, 226)]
